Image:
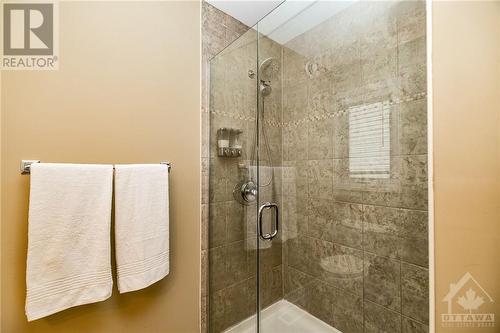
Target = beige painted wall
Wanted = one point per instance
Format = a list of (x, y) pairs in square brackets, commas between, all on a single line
[(466, 71), (127, 91)]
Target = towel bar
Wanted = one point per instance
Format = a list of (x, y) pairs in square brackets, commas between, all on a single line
[(26, 165)]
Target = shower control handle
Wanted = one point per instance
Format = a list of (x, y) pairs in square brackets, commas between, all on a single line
[(269, 205)]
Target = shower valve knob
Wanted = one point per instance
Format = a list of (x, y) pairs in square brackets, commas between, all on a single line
[(245, 192)]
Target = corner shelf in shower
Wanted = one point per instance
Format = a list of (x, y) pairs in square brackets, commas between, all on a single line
[(228, 142)]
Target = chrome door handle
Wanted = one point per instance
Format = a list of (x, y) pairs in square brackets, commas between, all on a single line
[(268, 205)]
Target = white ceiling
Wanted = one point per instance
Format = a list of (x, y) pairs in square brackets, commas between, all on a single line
[(294, 18), (248, 12), (290, 20)]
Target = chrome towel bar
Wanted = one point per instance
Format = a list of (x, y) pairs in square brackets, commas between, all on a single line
[(26, 165)]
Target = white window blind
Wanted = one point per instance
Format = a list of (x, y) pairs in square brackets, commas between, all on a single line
[(369, 141)]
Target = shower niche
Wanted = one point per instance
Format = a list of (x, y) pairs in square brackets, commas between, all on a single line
[(229, 142)]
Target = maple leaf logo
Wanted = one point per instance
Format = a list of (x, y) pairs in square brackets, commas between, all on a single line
[(471, 301)]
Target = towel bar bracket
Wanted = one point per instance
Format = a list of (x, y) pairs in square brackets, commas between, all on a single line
[(26, 165), (168, 164)]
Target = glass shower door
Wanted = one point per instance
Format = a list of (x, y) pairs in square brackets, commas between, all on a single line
[(232, 228), (342, 152), (269, 161)]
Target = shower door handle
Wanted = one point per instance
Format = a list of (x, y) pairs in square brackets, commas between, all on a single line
[(269, 205)]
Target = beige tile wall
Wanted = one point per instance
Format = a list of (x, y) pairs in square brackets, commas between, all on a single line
[(356, 248), (218, 31)]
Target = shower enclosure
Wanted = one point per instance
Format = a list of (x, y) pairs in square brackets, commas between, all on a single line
[(318, 172)]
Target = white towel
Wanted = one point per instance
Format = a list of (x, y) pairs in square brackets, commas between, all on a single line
[(69, 252), (141, 225)]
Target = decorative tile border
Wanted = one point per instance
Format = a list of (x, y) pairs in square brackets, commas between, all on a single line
[(236, 116), (319, 117), (314, 117)]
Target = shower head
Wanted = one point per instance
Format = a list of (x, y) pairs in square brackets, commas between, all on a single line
[(269, 69)]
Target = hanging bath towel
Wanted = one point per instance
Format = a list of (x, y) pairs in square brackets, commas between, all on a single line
[(69, 259), (141, 225)]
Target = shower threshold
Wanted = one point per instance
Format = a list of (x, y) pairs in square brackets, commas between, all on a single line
[(284, 317)]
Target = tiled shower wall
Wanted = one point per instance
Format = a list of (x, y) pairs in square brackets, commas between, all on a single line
[(355, 249), (229, 244), (218, 31)]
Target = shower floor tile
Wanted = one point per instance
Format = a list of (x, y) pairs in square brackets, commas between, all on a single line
[(284, 317)]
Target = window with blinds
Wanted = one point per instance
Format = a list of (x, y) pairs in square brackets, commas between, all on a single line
[(369, 140)]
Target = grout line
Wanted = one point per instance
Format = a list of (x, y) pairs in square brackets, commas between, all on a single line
[(403, 316), (400, 295), (364, 267), (368, 252)]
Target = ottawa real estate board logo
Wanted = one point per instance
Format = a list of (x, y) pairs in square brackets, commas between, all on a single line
[(467, 304), (30, 35)]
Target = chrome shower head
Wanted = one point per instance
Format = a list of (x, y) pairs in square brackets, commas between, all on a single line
[(269, 69)]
